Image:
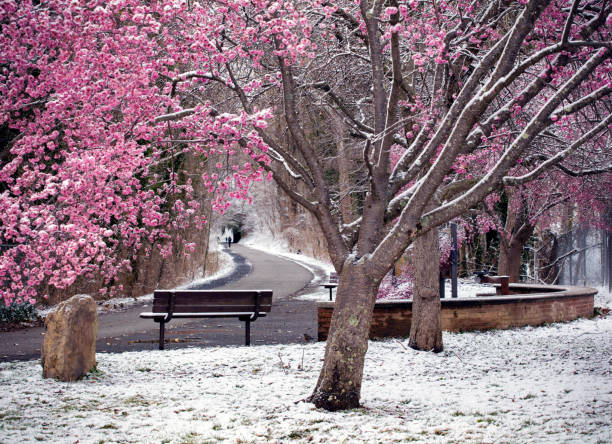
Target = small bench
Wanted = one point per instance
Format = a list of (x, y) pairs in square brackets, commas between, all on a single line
[(246, 305), (333, 283), (503, 281)]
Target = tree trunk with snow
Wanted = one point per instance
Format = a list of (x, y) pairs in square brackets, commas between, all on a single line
[(339, 384)]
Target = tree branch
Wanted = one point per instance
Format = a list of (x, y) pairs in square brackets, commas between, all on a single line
[(556, 159)]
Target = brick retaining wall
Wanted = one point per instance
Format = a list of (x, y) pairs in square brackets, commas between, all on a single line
[(535, 305)]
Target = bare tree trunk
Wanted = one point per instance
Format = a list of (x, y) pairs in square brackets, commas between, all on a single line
[(426, 326), (517, 231), (547, 262), (339, 384), (509, 263)]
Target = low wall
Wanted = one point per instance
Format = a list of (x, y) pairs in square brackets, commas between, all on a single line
[(529, 305)]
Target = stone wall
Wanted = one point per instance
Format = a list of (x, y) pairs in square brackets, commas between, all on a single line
[(532, 305)]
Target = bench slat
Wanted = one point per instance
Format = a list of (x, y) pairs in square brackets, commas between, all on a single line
[(205, 297), (213, 292), (199, 314), (162, 308), (218, 301)]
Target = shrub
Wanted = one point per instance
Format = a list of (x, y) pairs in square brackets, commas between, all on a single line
[(15, 312)]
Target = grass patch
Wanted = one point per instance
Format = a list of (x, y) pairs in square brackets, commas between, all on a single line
[(528, 423), (12, 418), (89, 405), (298, 434), (137, 400), (192, 438), (94, 373), (10, 415)]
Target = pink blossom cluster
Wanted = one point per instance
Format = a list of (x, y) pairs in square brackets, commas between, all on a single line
[(397, 287), (89, 169)]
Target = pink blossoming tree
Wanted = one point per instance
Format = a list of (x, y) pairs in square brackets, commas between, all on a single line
[(88, 167)]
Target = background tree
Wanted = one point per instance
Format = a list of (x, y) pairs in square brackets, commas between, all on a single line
[(540, 205)]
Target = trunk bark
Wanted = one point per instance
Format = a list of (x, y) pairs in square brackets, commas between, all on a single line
[(339, 384), (426, 326), (509, 263), (517, 231)]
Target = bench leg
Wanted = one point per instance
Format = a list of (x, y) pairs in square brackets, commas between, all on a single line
[(330, 293), (162, 325), (247, 332)]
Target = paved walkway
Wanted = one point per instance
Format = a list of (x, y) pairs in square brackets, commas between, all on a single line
[(290, 320)]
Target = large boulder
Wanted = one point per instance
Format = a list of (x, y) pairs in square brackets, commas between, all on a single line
[(69, 347)]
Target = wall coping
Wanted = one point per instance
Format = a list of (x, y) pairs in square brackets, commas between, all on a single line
[(527, 292)]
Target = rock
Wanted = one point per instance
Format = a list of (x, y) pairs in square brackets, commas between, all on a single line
[(69, 347)]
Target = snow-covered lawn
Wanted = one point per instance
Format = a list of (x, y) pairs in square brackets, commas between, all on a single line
[(550, 384)]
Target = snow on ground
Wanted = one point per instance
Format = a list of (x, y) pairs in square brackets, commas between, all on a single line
[(550, 384), (603, 298), (465, 288), (318, 296)]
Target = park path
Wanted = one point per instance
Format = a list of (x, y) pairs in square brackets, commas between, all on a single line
[(291, 320)]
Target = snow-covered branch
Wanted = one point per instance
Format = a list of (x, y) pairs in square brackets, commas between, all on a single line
[(557, 158)]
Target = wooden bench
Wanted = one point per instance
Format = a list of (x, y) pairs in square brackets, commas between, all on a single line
[(333, 283), (503, 281), (246, 305)]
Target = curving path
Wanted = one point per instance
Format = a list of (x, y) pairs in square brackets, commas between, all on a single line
[(119, 331)]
